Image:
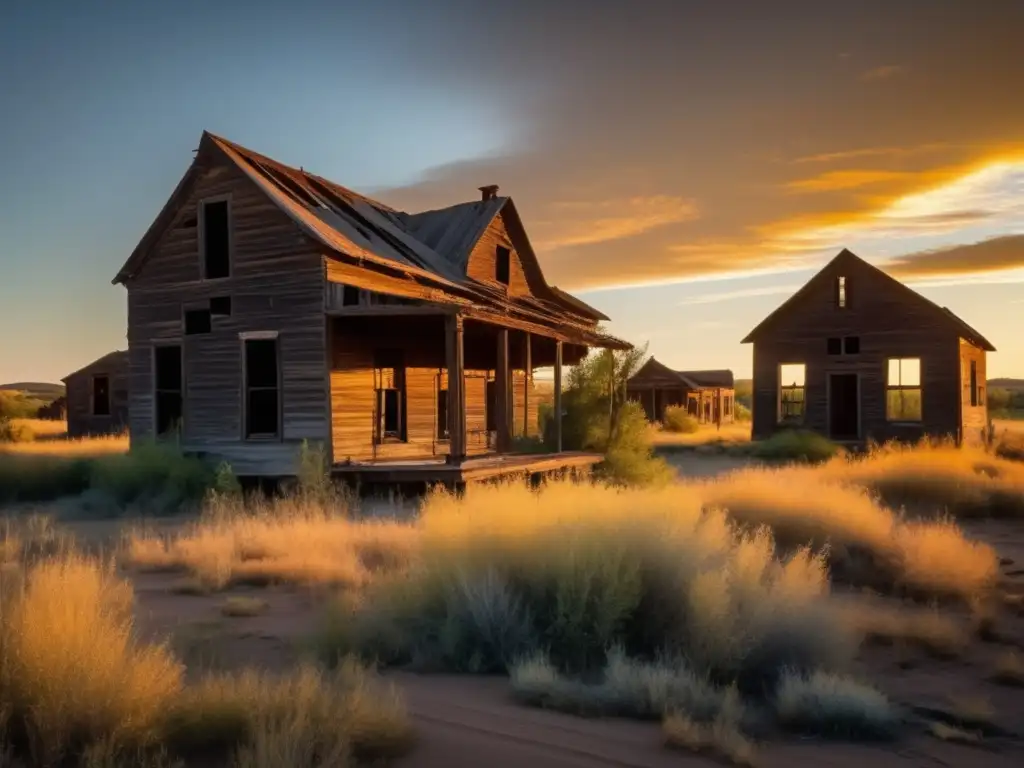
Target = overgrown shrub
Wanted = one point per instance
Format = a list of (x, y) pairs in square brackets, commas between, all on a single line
[(742, 412), (12, 431), (573, 570), (830, 705), (676, 419), (795, 445), (629, 456)]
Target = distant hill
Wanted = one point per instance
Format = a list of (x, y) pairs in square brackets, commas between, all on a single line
[(36, 390), (1014, 385)]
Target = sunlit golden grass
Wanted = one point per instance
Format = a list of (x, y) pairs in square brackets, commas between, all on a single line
[(288, 540), (937, 634), (736, 433), (45, 429), (76, 679), (74, 447), (963, 481)]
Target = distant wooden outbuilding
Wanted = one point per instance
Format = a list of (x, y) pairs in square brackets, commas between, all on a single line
[(97, 397), (856, 355), (268, 306), (708, 396)]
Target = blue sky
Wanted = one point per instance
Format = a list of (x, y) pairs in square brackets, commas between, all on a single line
[(659, 156)]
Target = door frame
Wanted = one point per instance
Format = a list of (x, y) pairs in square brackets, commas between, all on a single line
[(828, 405)]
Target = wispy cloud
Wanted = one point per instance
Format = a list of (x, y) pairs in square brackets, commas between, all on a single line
[(993, 255), (885, 72), (583, 223), (857, 154), (741, 293)]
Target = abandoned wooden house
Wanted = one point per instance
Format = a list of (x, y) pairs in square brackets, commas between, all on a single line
[(856, 355), (96, 397), (268, 306), (709, 396)]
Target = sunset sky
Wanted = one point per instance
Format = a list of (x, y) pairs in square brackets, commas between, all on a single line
[(682, 166)]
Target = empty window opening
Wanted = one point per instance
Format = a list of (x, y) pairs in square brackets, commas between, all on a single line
[(216, 240), (841, 291), (167, 381), (792, 391), (101, 396), (503, 265), (851, 345), (197, 321), (442, 409), (262, 389), (350, 296), (974, 383), (220, 306), (389, 374), (835, 345), (903, 389)]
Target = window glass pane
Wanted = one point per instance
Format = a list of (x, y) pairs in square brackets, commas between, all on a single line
[(893, 378), (903, 404), (910, 372), (792, 374)]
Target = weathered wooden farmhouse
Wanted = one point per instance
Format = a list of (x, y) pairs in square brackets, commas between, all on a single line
[(856, 355), (709, 396), (97, 397), (268, 306)]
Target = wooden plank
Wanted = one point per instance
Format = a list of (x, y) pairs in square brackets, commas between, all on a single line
[(503, 398), (454, 352), (558, 397)]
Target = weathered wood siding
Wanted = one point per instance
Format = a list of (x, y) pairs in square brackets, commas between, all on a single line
[(276, 284), (974, 417), (79, 399), (482, 259), (888, 325)]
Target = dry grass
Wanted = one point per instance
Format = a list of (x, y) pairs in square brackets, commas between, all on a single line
[(950, 733), (75, 679), (289, 540), (831, 705), (722, 737), (45, 429), (972, 711), (83, 447), (938, 635), (1009, 670), (736, 433)]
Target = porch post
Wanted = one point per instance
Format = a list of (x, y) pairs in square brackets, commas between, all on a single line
[(455, 358), (558, 397), (501, 382), (527, 379)]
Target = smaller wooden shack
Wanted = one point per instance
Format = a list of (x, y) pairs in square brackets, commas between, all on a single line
[(97, 397), (709, 396)]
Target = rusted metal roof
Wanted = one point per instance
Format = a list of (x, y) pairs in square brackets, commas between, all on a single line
[(432, 247)]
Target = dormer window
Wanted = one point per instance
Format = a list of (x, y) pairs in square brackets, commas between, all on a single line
[(502, 265), (841, 291)]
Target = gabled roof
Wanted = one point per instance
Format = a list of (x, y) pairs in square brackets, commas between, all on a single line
[(112, 361), (942, 314), (661, 371), (716, 378), (432, 246)]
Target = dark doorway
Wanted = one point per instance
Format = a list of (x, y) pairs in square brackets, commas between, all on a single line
[(843, 406)]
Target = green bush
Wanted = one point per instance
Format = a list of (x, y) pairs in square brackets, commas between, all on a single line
[(676, 419), (629, 456), (18, 405), (742, 412), (795, 445), (152, 474)]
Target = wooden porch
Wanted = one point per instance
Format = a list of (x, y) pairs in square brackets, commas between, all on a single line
[(472, 469)]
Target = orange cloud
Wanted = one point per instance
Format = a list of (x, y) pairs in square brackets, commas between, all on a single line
[(856, 154), (854, 179), (886, 72), (585, 223), (994, 255)]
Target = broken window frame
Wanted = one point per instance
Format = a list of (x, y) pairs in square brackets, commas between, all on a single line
[(389, 376), (160, 393), (898, 414), (441, 409), (503, 264), (248, 388)]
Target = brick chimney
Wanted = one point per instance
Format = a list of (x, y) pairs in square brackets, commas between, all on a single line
[(488, 192)]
